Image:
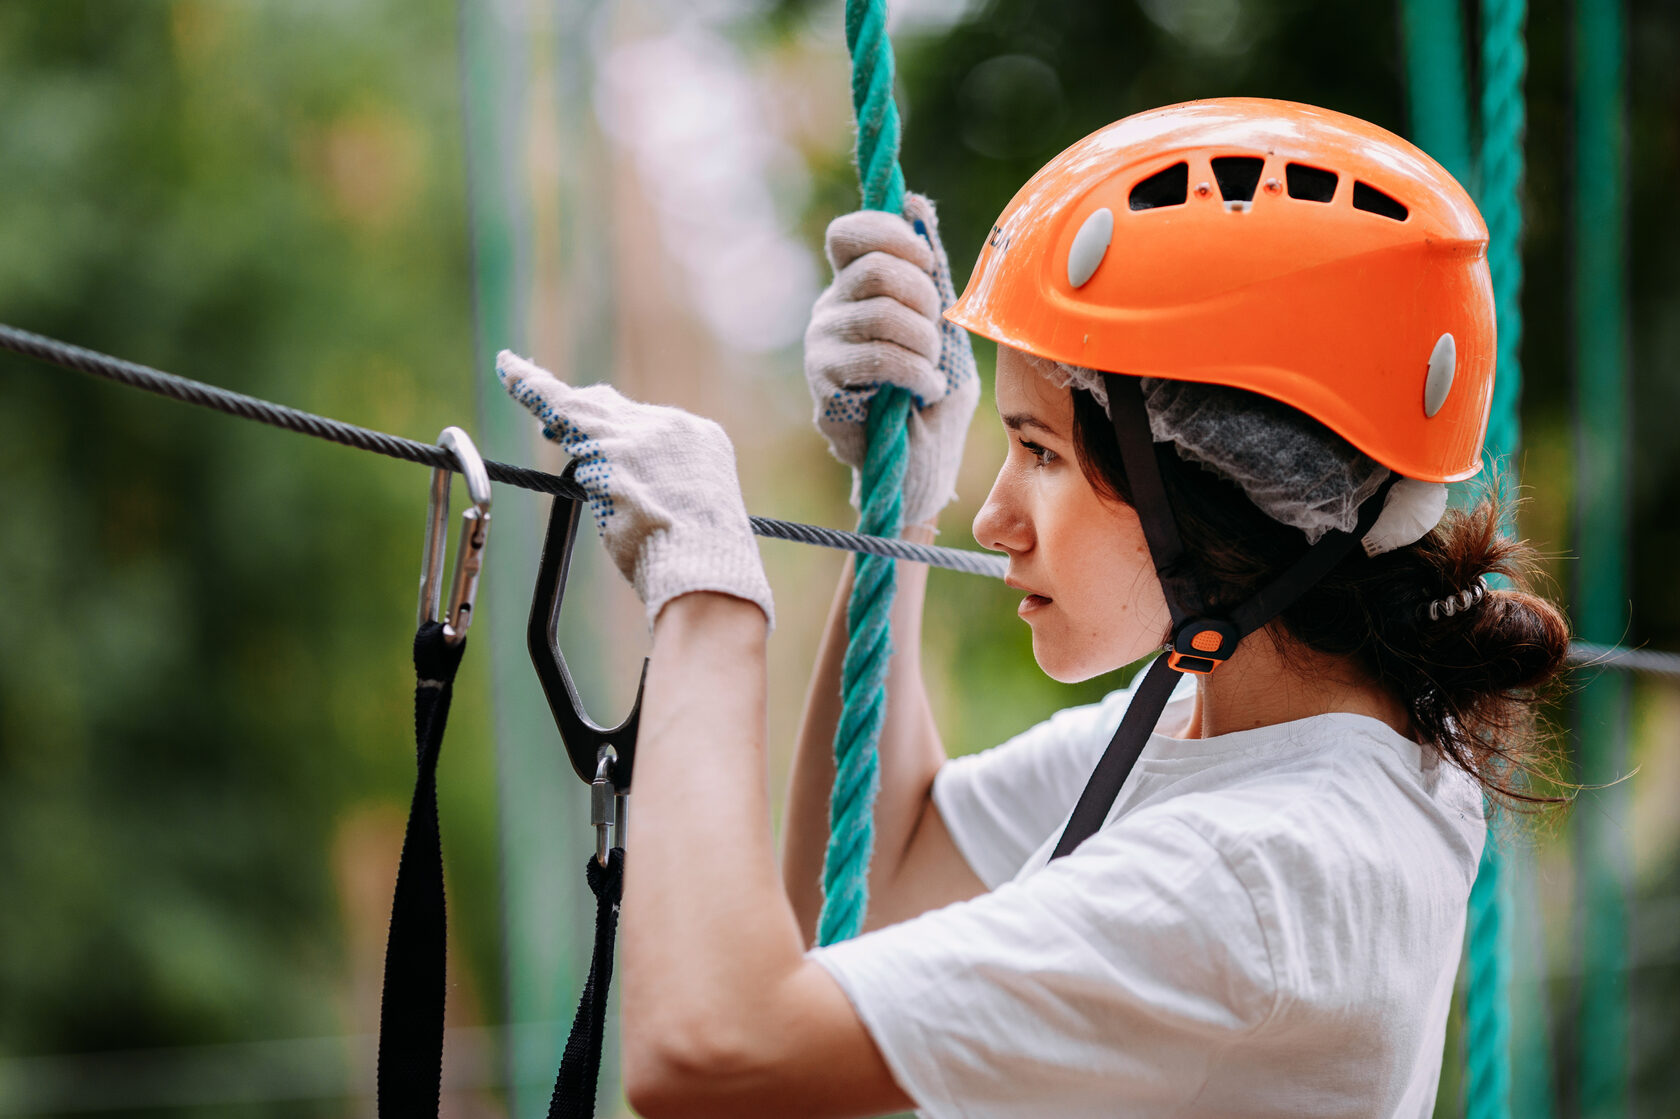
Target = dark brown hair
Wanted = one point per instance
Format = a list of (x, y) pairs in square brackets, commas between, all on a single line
[(1471, 681)]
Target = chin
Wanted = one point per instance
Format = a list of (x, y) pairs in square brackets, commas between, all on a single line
[(1069, 666), (1067, 663)]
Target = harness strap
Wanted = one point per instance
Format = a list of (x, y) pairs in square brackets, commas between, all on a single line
[(580, 1068), (410, 1074), (410, 1071), (1160, 532)]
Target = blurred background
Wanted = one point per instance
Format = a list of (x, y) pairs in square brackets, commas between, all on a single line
[(205, 740)]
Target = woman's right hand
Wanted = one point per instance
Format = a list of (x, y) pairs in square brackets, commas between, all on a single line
[(880, 323)]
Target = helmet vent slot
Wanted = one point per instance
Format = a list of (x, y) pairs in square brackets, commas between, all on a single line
[(1238, 175), (1369, 198), (1163, 188), (1311, 183)]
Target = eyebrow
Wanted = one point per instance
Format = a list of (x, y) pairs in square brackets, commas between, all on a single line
[(1015, 421)]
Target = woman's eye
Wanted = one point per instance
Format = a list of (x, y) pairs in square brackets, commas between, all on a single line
[(1044, 455)]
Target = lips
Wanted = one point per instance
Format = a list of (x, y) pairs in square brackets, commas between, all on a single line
[(1033, 600)]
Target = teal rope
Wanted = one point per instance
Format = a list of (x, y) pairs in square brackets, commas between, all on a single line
[(1487, 1020), (863, 685), (863, 676), (878, 128)]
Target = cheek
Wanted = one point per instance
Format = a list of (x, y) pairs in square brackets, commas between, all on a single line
[(1116, 612), (1105, 556)]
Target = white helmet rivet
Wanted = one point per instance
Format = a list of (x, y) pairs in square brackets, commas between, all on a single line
[(1443, 362), (1089, 246)]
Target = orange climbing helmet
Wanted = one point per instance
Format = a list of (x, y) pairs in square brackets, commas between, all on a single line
[(1293, 251)]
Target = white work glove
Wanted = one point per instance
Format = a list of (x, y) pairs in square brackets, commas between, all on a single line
[(879, 323), (661, 484)]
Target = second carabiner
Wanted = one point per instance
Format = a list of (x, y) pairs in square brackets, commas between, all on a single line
[(469, 552)]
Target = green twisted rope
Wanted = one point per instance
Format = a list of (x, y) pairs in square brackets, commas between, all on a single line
[(863, 676), (1487, 1022), (879, 131), (1487, 1019)]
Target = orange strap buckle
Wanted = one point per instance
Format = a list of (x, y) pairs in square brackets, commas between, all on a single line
[(1200, 645)]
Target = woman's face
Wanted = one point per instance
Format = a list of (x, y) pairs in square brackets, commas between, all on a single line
[(1093, 600)]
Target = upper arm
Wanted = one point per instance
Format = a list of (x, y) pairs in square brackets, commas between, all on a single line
[(933, 873), (806, 1054), (1115, 974)]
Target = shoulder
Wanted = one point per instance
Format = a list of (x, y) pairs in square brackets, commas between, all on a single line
[(1349, 841), (1338, 790)]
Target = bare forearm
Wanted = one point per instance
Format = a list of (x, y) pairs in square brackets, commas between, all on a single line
[(722, 1013), (910, 754), (706, 923)]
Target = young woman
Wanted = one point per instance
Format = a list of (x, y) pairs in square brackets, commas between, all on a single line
[(1242, 346)]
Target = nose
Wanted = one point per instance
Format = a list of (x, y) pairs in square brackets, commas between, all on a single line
[(1002, 524)]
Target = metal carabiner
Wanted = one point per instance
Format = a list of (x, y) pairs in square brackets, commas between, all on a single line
[(469, 552)]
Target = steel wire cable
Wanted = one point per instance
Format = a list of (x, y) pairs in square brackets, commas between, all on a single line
[(428, 454), (1590, 654), (1582, 654)]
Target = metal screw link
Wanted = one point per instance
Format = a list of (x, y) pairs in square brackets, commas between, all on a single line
[(603, 795)]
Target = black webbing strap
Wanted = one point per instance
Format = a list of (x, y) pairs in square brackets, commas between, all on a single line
[(1305, 573), (410, 1072), (580, 1068), (1130, 417), (1160, 531), (1117, 761)]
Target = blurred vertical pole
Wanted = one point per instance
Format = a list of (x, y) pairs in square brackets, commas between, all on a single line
[(1601, 436), (539, 825), (1437, 92), (575, 335)]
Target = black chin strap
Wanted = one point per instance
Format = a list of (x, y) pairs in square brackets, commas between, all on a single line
[(1198, 643)]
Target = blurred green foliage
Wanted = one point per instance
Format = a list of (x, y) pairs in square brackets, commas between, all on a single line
[(208, 624)]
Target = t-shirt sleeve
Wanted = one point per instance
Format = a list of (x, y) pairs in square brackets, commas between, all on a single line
[(1104, 984)]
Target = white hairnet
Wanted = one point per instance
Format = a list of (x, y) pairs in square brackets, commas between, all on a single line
[(1292, 467)]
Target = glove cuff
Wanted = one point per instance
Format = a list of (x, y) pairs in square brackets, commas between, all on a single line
[(675, 562)]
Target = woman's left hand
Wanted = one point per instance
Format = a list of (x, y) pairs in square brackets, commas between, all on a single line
[(662, 487)]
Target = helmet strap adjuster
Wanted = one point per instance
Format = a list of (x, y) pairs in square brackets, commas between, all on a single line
[(1200, 645)]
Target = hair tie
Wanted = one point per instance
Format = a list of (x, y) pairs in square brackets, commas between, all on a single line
[(1463, 600)]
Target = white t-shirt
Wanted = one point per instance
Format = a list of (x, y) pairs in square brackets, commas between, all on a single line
[(1268, 923)]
